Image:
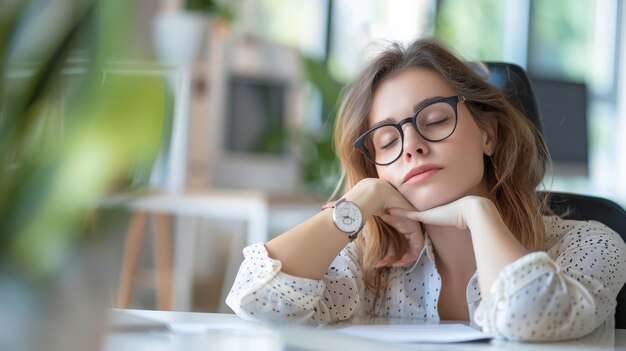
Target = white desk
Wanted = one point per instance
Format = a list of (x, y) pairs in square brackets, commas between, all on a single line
[(229, 332), (248, 206)]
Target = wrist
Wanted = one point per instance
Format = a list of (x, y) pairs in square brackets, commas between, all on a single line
[(365, 195), (480, 209)]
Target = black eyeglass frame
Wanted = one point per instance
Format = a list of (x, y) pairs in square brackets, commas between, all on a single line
[(453, 101)]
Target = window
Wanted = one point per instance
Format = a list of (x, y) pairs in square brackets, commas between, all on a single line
[(473, 28), (301, 24), (575, 41), (560, 40), (355, 24)]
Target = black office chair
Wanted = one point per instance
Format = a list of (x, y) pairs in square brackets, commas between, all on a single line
[(514, 82)]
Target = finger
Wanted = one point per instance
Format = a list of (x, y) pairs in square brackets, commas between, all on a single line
[(388, 218), (393, 220), (406, 260), (415, 240), (387, 261), (404, 226), (399, 212), (443, 215)]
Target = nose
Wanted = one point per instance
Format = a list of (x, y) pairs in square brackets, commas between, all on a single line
[(414, 144)]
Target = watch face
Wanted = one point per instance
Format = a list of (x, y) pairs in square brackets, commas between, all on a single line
[(347, 217)]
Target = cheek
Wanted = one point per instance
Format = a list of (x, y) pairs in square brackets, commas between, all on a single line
[(387, 173), (468, 151), (468, 155), (469, 169), (391, 174)]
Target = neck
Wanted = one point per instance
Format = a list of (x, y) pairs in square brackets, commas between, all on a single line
[(453, 248)]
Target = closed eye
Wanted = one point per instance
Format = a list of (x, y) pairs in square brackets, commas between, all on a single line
[(434, 123), (389, 144)]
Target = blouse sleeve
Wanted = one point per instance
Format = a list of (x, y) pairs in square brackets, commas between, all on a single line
[(262, 292), (537, 298)]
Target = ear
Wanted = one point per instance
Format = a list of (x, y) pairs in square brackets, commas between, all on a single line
[(489, 133)]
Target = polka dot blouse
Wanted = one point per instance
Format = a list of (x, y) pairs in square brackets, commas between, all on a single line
[(561, 293)]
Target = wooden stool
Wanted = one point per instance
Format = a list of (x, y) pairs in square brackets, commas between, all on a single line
[(162, 256)]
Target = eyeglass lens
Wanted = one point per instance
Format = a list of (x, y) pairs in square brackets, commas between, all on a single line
[(434, 123)]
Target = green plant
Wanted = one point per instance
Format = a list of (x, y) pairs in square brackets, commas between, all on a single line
[(212, 7), (66, 139), (319, 160)]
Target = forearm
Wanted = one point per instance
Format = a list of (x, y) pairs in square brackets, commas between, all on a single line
[(308, 249), (535, 290), (262, 292), (564, 292), (494, 245)]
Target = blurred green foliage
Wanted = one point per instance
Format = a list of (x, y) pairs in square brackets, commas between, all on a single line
[(68, 136), (561, 38), (220, 9), (321, 169), (473, 28)]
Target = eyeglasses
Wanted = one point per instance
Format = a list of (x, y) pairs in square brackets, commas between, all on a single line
[(436, 121)]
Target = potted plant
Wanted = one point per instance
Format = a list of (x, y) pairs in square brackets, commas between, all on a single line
[(180, 34)]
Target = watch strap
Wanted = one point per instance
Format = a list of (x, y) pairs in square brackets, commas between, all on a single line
[(353, 236), (331, 204)]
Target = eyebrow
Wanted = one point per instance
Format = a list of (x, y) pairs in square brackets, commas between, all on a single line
[(416, 107)]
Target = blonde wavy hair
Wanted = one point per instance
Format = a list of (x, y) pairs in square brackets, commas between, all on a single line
[(512, 174)]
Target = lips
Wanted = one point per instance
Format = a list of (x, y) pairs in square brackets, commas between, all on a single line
[(420, 173)]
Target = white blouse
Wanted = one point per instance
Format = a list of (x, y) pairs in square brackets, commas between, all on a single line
[(561, 293)]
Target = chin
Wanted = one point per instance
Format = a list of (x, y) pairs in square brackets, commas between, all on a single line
[(426, 198)]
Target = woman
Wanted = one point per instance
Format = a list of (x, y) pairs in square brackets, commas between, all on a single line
[(443, 170)]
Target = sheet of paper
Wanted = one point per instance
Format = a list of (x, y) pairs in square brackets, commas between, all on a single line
[(199, 328), (427, 333)]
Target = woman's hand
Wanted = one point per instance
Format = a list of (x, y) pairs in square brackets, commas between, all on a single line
[(456, 213), (412, 232), (375, 196), (389, 197), (405, 222), (494, 244)]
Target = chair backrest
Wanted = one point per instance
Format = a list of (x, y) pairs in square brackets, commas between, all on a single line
[(513, 81)]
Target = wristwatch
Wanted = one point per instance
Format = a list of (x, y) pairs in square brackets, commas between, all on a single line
[(347, 217)]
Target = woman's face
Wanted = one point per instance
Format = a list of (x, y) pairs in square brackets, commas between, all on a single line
[(456, 163)]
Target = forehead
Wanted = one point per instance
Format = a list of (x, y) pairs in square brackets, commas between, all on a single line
[(397, 95)]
